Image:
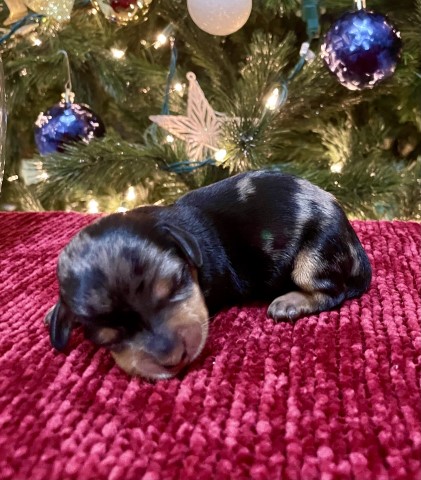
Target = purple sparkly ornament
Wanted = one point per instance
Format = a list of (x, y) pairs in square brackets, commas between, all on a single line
[(64, 123), (361, 49)]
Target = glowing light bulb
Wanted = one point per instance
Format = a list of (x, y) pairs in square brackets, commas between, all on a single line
[(93, 206), (220, 155), (131, 194), (161, 39), (117, 53), (36, 42), (273, 100), (169, 138), (178, 87), (336, 167)]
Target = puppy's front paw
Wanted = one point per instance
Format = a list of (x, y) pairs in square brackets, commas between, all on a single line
[(291, 306)]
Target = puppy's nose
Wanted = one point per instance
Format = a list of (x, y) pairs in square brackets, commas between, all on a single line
[(168, 349), (162, 346)]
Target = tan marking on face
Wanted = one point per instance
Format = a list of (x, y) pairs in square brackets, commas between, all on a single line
[(162, 288), (138, 362), (125, 360), (107, 335), (188, 321)]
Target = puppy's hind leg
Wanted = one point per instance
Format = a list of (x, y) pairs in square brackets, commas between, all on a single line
[(320, 283)]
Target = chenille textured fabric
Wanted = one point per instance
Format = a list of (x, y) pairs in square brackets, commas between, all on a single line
[(333, 396)]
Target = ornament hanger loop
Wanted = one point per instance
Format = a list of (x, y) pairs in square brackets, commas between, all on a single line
[(68, 94), (360, 4)]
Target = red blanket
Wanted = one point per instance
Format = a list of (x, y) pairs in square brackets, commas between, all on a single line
[(336, 395)]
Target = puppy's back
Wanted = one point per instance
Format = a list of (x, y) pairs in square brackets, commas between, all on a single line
[(266, 217)]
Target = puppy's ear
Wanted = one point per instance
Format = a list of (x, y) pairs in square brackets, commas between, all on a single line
[(187, 243), (60, 321)]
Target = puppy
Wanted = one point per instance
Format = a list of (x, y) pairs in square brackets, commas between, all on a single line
[(143, 283)]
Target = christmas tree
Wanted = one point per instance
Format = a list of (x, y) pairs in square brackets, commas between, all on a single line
[(175, 108)]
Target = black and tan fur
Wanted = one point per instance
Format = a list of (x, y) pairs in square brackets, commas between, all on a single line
[(143, 283)]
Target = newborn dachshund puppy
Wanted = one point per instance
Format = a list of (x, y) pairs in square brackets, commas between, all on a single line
[(143, 283)]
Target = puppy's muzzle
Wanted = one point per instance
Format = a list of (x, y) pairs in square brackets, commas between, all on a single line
[(162, 355)]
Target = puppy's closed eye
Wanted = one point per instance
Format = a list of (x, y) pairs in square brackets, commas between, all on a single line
[(171, 289), (162, 289)]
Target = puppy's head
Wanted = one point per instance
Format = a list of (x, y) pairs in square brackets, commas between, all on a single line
[(132, 283)]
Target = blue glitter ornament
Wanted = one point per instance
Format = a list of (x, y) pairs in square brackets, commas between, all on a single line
[(361, 49), (64, 123)]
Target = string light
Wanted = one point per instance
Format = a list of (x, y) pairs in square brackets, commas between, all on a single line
[(35, 40), (93, 206), (178, 87), (169, 138), (121, 210), (161, 39), (131, 194), (336, 167), (117, 53), (273, 100), (220, 155)]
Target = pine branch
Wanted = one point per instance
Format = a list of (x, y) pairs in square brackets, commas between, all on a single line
[(373, 134)]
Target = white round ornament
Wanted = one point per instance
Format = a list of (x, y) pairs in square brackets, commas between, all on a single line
[(219, 17)]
